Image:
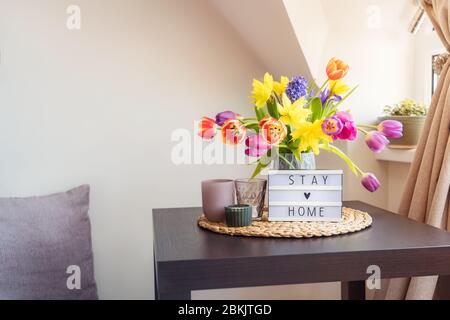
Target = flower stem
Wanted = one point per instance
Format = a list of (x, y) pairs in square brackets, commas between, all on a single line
[(277, 98), (321, 88), (291, 166), (367, 126), (363, 131), (353, 167)]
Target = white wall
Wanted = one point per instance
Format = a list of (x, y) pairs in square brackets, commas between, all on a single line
[(397, 176), (98, 106)]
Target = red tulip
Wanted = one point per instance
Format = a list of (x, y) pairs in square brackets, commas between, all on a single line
[(207, 128), (233, 132)]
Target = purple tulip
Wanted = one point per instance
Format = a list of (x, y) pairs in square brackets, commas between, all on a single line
[(332, 126), (370, 182), (324, 95), (391, 129), (223, 117), (376, 141), (256, 146)]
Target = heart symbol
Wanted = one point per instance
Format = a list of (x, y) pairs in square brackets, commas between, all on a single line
[(307, 195)]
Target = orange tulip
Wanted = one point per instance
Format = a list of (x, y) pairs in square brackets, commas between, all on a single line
[(337, 69), (273, 131), (233, 132), (207, 128)]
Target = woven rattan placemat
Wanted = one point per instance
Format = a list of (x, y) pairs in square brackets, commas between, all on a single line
[(353, 221)]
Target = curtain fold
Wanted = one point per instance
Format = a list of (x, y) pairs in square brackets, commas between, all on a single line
[(426, 196)]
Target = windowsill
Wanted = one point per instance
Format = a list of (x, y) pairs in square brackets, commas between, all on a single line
[(397, 155)]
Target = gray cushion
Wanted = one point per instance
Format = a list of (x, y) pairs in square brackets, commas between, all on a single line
[(40, 238)]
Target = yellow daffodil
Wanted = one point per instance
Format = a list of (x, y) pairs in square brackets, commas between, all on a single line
[(310, 136), (280, 87), (293, 114), (262, 91), (338, 87)]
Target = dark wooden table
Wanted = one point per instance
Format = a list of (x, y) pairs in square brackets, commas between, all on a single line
[(188, 258)]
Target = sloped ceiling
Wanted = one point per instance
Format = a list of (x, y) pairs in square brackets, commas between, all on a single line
[(266, 28), (310, 24)]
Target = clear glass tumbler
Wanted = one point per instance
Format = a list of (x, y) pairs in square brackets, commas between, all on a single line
[(252, 192)]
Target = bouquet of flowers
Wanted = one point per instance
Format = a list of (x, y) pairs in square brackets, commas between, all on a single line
[(293, 116)]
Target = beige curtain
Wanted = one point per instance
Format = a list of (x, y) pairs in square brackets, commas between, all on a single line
[(426, 197)]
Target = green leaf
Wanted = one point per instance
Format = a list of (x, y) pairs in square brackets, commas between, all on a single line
[(253, 126), (272, 107), (322, 87), (316, 109), (267, 159), (260, 167), (284, 149), (298, 155), (261, 113)]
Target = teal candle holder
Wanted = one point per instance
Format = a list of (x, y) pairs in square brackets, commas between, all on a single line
[(238, 216)]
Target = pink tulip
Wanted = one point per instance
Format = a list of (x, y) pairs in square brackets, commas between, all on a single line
[(376, 141), (391, 129), (344, 116), (256, 146), (370, 182), (349, 130)]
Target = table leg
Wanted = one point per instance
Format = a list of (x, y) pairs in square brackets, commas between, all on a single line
[(155, 277), (353, 290)]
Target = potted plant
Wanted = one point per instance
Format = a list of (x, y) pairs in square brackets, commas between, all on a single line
[(412, 115), (295, 120)]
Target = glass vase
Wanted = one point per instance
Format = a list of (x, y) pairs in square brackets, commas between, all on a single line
[(288, 161)]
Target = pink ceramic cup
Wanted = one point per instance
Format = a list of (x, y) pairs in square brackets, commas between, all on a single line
[(216, 195)]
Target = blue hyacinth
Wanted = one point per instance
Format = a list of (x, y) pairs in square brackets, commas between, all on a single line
[(297, 88)]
